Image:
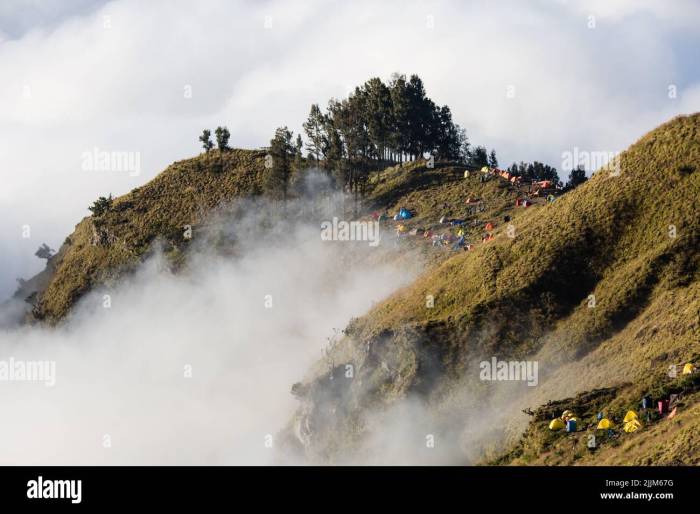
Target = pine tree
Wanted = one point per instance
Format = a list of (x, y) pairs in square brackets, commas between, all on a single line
[(464, 145), (298, 155), (379, 116), (400, 114), (314, 127), (205, 138), (222, 137), (577, 176), (479, 157), (448, 137), (281, 152), (336, 163), (493, 161)]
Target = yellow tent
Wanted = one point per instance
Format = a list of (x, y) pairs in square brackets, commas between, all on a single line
[(632, 426), (485, 169), (631, 415), (556, 424), (605, 423), (566, 414), (403, 228), (688, 369)]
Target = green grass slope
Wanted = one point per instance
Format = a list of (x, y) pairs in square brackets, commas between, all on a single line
[(104, 247), (600, 287)]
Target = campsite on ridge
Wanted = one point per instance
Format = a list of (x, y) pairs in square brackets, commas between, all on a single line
[(595, 280)]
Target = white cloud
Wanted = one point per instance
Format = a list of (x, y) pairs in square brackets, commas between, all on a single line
[(121, 87), (189, 369)]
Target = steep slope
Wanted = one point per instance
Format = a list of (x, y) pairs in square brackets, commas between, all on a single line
[(104, 247), (600, 288)]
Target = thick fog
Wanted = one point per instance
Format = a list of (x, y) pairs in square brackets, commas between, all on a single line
[(188, 368)]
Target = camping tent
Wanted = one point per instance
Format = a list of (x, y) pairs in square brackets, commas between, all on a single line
[(688, 369), (485, 169), (632, 426), (605, 424), (556, 424), (630, 416)]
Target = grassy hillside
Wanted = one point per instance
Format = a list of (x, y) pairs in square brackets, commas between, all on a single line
[(103, 247), (599, 287)]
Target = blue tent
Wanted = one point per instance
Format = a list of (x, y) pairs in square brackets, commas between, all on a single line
[(404, 214)]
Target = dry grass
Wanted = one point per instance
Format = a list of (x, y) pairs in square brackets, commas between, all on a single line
[(528, 297), (181, 195)]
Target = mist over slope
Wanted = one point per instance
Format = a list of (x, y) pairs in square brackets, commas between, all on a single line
[(193, 367), (105, 247), (598, 288)]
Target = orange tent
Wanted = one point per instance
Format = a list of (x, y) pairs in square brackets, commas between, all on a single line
[(489, 227)]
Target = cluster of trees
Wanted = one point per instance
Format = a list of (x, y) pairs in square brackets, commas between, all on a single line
[(539, 171), (377, 125), (480, 157), (222, 136), (534, 171), (382, 122), (577, 176)]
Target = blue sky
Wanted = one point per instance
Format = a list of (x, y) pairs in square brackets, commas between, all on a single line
[(533, 79)]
